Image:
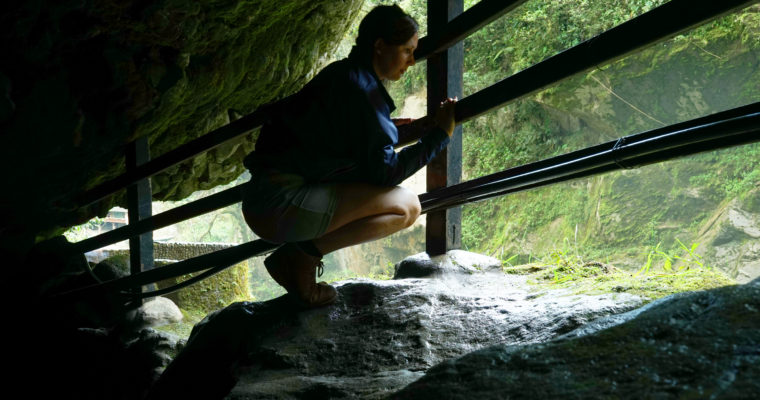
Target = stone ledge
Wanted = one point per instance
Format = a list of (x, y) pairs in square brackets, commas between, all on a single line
[(421, 265)]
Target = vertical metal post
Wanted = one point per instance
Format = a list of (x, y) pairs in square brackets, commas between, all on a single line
[(139, 198), (444, 79)]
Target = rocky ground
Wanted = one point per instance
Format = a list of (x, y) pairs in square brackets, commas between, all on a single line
[(380, 336), (700, 345)]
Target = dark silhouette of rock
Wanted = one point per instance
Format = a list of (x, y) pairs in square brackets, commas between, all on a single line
[(702, 345), (79, 81), (377, 338)]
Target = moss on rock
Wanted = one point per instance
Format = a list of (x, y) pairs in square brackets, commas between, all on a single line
[(212, 293), (81, 79)]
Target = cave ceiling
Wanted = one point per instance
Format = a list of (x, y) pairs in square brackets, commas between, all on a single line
[(81, 79)]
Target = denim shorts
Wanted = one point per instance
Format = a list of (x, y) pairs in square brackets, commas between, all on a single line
[(303, 211)]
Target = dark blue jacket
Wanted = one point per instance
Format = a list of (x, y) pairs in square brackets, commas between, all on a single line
[(338, 129)]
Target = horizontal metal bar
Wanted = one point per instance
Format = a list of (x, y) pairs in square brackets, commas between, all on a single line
[(645, 30), (713, 132), (477, 182), (665, 21), (716, 144), (191, 281), (456, 30), (178, 214), (642, 31), (220, 258), (656, 25), (702, 134), (477, 16), (233, 130)]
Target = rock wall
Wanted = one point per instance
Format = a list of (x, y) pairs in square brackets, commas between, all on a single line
[(210, 294), (733, 236), (692, 345), (79, 80)]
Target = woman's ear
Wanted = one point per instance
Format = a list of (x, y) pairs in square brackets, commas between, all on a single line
[(379, 46)]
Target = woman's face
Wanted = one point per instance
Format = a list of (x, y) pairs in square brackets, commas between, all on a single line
[(391, 61)]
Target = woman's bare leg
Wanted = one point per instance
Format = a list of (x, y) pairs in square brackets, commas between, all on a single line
[(366, 212), (363, 213)]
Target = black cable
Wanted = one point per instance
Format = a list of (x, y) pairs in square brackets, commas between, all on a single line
[(209, 272)]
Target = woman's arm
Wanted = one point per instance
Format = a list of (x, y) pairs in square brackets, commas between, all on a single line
[(388, 167), (402, 121), (413, 130)]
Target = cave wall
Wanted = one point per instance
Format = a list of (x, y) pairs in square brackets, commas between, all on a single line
[(80, 79)]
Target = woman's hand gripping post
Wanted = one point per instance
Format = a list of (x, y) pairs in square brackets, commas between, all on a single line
[(444, 118)]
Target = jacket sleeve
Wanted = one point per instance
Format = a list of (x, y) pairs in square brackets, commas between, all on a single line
[(380, 163), (390, 168), (375, 136)]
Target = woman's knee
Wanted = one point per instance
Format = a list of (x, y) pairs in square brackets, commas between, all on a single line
[(410, 205)]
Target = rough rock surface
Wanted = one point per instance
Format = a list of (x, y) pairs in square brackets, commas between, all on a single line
[(455, 261), (378, 337), (87, 363), (732, 234), (158, 311), (692, 345), (79, 80)]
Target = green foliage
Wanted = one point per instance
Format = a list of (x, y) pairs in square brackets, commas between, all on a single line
[(213, 293), (81, 232), (537, 30), (687, 259), (663, 274), (619, 214)]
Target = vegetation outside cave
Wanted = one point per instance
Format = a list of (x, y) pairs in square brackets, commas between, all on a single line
[(625, 219)]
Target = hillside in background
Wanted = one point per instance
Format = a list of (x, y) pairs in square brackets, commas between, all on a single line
[(625, 218)]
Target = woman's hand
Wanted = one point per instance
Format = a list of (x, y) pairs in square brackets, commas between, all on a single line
[(444, 118), (402, 121)]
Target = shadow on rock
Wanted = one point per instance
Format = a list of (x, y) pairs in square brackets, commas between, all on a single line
[(692, 345)]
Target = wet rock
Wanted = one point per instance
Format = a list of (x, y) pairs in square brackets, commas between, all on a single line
[(112, 268), (378, 337), (692, 345), (457, 261), (88, 363), (732, 235), (157, 311), (81, 80)]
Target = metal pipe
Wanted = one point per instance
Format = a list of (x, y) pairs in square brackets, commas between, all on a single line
[(656, 25), (219, 260), (170, 217), (707, 133), (459, 28), (728, 128), (708, 119), (233, 130), (647, 29)]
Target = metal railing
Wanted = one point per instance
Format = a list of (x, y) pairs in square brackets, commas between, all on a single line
[(733, 127)]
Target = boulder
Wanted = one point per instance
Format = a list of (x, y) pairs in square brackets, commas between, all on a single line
[(88, 363), (691, 345), (157, 311), (457, 261), (378, 337)]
